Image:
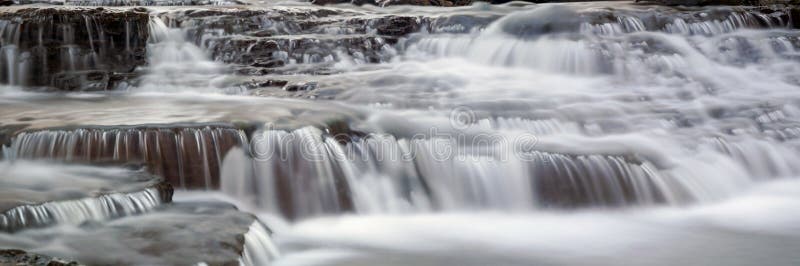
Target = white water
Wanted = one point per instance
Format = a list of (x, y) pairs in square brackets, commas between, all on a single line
[(38, 194), (76, 212), (552, 136), (177, 65), (757, 228), (687, 125), (258, 246)]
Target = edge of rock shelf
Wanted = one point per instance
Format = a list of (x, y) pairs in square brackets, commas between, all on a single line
[(77, 194)]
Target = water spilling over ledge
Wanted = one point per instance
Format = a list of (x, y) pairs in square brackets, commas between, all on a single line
[(77, 195), (187, 157), (379, 135)]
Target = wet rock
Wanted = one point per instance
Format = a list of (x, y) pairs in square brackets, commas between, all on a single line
[(21, 257), (70, 48), (151, 2), (280, 40), (724, 2), (396, 26), (303, 86), (445, 3), (88, 80), (277, 52), (265, 84)]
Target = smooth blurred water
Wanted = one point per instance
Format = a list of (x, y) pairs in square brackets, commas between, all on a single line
[(553, 134)]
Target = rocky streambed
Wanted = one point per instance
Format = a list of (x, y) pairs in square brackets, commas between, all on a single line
[(398, 132)]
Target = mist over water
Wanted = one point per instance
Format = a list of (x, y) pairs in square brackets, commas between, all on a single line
[(551, 134)]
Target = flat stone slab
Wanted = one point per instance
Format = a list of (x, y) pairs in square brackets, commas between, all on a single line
[(183, 233)]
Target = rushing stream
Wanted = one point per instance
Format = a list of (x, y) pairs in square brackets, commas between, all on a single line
[(596, 133)]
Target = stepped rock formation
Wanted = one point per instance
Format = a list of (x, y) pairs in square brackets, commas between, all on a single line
[(399, 132), (71, 48)]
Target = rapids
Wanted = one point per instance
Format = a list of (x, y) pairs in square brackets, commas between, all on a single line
[(594, 133)]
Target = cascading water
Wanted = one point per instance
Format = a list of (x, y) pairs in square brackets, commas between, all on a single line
[(186, 157), (78, 211), (79, 194), (176, 65), (602, 133)]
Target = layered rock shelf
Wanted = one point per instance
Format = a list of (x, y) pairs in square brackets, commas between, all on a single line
[(72, 48)]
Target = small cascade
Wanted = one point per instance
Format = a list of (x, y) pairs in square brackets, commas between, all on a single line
[(762, 159), (187, 157), (175, 64), (148, 2), (75, 212), (258, 247), (306, 173), (278, 40), (557, 39)]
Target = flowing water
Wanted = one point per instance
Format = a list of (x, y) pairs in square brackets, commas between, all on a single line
[(599, 133)]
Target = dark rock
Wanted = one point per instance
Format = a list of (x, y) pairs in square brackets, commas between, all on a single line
[(723, 2), (265, 84), (396, 26), (20, 257), (71, 48), (303, 86), (87, 80)]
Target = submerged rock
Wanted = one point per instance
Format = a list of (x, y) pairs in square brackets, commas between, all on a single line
[(186, 233), (70, 48)]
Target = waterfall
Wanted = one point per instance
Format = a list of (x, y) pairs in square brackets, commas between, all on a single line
[(187, 157), (76, 212), (306, 172), (631, 45), (512, 134), (258, 246), (175, 64)]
